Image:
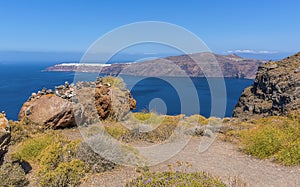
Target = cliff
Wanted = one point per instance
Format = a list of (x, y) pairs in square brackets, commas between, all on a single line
[(276, 90), (183, 65)]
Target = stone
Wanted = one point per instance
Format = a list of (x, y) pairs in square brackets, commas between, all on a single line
[(271, 65), (67, 84), (49, 91), (78, 104), (48, 110), (208, 133), (4, 136), (275, 92)]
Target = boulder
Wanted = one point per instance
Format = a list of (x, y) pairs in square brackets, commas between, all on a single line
[(80, 104), (4, 136), (275, 92), (50, 110)]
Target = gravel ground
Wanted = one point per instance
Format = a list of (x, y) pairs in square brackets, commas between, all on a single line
[(221, 159)]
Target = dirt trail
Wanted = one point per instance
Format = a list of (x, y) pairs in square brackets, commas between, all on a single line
[(221, 159)]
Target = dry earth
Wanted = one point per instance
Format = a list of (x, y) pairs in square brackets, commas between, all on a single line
[(221, 159)]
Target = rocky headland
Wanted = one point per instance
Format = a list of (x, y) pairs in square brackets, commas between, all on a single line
[(231, 66), (275, 92)]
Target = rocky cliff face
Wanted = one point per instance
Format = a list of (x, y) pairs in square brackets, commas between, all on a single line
[(276, 90), (4, 136), (70, 105)]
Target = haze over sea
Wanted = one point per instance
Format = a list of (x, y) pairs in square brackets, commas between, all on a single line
[(19, 81)]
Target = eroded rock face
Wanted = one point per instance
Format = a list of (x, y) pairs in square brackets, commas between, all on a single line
[(4, 136), (276, 90), (71, 105)]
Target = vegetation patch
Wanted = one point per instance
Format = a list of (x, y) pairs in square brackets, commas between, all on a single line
[(58, 165), (114, 81), (30, 149), (21, 130), (150, 127), (11, 174), (58, 160), (116, 130), (277, 138), (170, 178), (196, 119)]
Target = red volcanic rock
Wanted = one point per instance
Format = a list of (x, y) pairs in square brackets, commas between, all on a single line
[(71, 105), (50, 110)]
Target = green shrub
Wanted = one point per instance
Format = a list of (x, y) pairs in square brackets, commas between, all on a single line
[(162, 127), (65, 174), (30, 149), (262, 142), (290, 154), (196, 119), (50, 159), (274, 137), (116, 130), (147, 118), (55, 158), (58, 165), (11, 174), (21, 130), (170, 178), (114, 81)]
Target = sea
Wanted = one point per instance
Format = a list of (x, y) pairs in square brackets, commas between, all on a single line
[(163, 95)]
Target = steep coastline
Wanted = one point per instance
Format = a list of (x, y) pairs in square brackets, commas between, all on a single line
[(232, 66), (275, 92)]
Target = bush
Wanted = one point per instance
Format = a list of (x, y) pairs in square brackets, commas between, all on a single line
[(30, 149), (11, 174), (116, 130), (274, 137), (58, 165), (65, 174), (21, 130), (170, 178), (114, 81), (196, 119), (161, 127), (55, 157), (290, 154), (262, 142)]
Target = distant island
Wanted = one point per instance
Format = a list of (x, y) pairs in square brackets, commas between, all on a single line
[(232, 66)]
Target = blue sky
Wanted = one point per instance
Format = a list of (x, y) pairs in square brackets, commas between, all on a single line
[(256, 26)]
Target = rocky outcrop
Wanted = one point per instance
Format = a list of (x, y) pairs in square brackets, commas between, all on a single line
[(4, 136), (276, 90), (70, 105)]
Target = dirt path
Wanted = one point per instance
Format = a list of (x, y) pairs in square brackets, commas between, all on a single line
[(221, 159)]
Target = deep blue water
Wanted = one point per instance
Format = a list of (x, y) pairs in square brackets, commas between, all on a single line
[(163, 95)]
